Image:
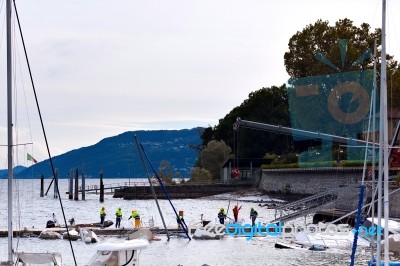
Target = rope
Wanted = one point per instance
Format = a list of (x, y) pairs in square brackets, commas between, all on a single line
[(43, 130), (357, 226), (361, 195), (182, 222)]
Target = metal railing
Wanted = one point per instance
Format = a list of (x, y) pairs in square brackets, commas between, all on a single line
[(311, 204)]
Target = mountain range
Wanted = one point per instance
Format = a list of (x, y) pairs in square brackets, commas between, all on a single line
[(118, 156)]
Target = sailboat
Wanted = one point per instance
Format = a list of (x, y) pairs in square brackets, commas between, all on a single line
[(17, 258), (383, 160), (112, 254)]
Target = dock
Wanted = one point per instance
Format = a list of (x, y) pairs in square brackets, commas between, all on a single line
[(142, 190), (110, 231)]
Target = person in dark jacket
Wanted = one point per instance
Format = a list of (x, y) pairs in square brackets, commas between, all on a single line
[(253, 216), (221, 216)]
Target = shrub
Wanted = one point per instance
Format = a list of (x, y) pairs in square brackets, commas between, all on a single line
[(199, 174), (398, 178)]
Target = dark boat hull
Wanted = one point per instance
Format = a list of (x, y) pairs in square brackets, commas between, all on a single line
[(107, 223)]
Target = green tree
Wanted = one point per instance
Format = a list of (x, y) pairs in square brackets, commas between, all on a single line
[(213, 156), (266, 105), (326, 55), (166, 172), (301, 61), (394, 88), (321, 38), (270, 105)]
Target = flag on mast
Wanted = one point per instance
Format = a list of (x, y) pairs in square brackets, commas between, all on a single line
[(30, 158)]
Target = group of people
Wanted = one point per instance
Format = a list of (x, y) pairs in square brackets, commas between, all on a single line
[(136, 217), (118, 217), (222, 215)]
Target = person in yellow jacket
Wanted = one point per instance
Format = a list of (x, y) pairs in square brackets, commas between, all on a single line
[(118, 215), (102, 216), (179, 220), (135, 215)]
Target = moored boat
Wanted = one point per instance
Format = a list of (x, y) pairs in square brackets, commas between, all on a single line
[(119, 253)]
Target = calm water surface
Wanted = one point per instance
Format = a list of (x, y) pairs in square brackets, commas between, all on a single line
[(33, 211)]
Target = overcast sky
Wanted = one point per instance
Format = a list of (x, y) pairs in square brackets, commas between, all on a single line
[(102, 68)]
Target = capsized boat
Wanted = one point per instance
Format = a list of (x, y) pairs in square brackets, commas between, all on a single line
[(88, 236), (118, 253), (328, 240), (290, 244), (143, 233), (374, 262)]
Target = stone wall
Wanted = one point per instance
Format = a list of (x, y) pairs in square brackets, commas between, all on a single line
[(308, 180), (182, 191)]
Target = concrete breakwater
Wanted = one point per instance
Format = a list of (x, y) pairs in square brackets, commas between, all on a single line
[(179, 191)]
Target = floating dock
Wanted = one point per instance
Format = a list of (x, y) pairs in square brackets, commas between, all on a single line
[(109, 231)]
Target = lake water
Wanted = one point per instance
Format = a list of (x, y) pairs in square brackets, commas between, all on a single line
[(33, 211)]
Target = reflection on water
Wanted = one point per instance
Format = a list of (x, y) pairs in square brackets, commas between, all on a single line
[(33, 211)]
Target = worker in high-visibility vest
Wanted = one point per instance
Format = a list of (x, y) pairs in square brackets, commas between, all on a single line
[(135, 215), (118, 215), (222, 216), (102, 216), (180, 220)]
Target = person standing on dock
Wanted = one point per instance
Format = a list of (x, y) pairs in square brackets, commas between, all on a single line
[(102, 216), (236, 212), (221, 216), (253, 216), (179, 220), (118, 213), (135, 215)]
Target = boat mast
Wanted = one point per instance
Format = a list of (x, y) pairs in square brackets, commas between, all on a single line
[(384, 132), (9, 131), (373, 140)]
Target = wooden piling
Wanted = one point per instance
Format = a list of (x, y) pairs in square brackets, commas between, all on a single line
[(42, 186), (56, 184), (71, 185), (76, 185), (101, 188), (83, 180)]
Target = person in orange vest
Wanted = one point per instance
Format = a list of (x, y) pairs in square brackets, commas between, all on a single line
[(135, 215), (236, 212)]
